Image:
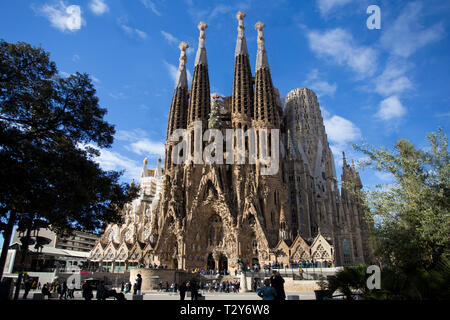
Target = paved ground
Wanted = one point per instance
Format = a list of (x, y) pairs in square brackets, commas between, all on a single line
[(208, 296)]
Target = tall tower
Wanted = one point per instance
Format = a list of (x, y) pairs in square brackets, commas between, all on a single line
[(179, 105), (270, 188), (242, 98), (264, 106), (310, 169), (200, 100)]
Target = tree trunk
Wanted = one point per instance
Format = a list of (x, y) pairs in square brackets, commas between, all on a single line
[(6, 240), (22, 260)]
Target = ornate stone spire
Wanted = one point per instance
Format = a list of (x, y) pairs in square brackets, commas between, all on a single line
[(200, 58), (242, 98), (200, 100), (261, 57), (181, 75), (180, 102), (241, 43), (264, 105)]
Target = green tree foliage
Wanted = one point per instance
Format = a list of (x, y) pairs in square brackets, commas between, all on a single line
[(411, 215), (46, 123), (347, 281), (214, 121)]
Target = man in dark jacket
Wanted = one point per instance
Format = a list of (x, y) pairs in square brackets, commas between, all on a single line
[(182, 289), (194, 290), (138, 285), (87, 291), (277, 282)]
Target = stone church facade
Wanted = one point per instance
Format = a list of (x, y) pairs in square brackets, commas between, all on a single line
[(210, 216)]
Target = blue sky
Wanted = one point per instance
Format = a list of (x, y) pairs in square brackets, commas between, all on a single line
[(376, 85)]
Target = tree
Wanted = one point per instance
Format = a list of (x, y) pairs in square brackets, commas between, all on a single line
[(214, 121), (412, 214), (48, 127)]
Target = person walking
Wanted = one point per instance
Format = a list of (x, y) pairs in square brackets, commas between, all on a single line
[(267, 292), (27, 285), (71, 289), (182, 290), (63, 293), (277, 282)]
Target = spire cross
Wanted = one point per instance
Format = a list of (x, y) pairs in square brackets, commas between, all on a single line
[(202, 26), (183, 46), (260, 27), (240, 17)]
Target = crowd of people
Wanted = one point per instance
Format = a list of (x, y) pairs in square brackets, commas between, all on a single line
[(301, 264)]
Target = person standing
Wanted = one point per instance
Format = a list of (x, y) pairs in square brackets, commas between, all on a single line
[(45, 291), (101, 291), (277, 282), (194, 290), (138, 285), (267, 292), (182, 290), (87, 291)]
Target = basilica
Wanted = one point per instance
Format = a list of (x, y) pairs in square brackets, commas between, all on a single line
[(216, 215)]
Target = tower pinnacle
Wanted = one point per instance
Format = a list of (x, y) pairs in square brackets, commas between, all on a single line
[(261, 58), (241, 43), (181, 75), (201, 52)]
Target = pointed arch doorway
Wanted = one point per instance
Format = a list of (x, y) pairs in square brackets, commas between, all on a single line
[(210, 264), (223, 262)]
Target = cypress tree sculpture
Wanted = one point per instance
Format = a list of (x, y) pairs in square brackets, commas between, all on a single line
[(214, 115)]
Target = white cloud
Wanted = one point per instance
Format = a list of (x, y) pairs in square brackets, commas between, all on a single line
[(406, 35), (219, 10), (110, 160), (63, 17), (140, 33), (326, 5), (145, 146), (98, 7), (173, 71), (321, 87), (170, 38), (393, 79), (131, 32), (391, 108), (151, 5), (341, 131), (140, 144), (340, 46), (75, 58)]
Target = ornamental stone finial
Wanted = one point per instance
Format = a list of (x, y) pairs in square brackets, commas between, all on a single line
[(202, 26), (260, 27), (240, 17), (183, 46), (200, 58)]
